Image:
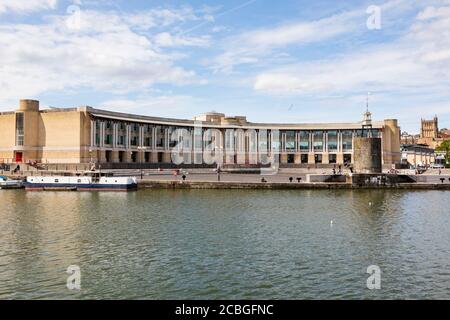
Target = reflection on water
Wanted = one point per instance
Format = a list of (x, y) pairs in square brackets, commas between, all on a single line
[(225, 244)]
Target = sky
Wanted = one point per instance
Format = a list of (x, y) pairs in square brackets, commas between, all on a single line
[(281, 61)]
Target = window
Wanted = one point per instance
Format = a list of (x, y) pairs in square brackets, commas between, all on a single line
[(347, 158), (318, 140), (172, 143), (376, 133), (134, 141), (347, 140), (290, 140), (160, 136), (290, 158), (56, 180), (318, 158), (304, 141), (332, 140), (108, 139), (332, 158), (19, 129), (263, 145), (121, 140), (304, 158), (362, 133)]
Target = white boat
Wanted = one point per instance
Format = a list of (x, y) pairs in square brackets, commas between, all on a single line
[(81, 183), (6, 183)]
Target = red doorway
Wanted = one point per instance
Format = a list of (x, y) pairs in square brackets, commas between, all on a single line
[(19, 156)]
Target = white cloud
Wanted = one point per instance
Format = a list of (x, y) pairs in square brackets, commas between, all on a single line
[(164, 105), (418, 61), (25, 6), (433, 12), (251, 46), (166, 39), (160, 17), (106, 53)]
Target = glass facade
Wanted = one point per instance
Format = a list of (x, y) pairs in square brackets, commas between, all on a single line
[(290, 140), (321, 146), (160, 136), (108, 139), (332, 140), (19, 129), (347, 140), (304, 140), (318, 140)]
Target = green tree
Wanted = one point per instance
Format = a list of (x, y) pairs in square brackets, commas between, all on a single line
[(445, 147)]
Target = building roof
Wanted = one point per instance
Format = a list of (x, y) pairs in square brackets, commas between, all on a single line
[(247, 125)]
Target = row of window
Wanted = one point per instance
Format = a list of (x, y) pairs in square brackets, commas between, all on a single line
[(317, 138), (318, 158)]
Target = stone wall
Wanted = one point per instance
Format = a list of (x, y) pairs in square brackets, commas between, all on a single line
[(367, 155)]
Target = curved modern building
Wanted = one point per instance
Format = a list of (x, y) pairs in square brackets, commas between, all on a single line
[(88, 135)]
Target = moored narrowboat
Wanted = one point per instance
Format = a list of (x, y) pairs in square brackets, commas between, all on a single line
[(81, 183)]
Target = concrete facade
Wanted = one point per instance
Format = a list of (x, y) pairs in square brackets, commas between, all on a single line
[(89, 135)]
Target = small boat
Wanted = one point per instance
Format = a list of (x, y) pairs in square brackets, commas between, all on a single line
[(91, 182), (6, 183)]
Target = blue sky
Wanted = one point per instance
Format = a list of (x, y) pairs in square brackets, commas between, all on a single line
[(273, 61)]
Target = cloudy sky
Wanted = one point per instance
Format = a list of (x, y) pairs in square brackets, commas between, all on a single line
[(277, 61)]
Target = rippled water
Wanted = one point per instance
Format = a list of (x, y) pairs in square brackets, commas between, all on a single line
[(225, 244)]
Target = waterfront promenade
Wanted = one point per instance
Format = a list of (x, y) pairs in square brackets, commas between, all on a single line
[(290, 179), (283, 179)]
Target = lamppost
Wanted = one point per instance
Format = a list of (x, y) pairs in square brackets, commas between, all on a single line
[(142, 150)]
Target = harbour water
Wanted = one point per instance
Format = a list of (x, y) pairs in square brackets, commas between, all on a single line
[(225, 244)]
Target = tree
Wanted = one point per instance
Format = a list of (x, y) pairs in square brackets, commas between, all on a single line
[(445, 147)]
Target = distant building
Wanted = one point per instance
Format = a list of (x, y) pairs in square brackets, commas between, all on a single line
[(429, 128), (417, 155), (429, 133), (407, 138), (444, 134)]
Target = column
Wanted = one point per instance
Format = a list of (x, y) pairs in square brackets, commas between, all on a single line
[(92, 133)]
